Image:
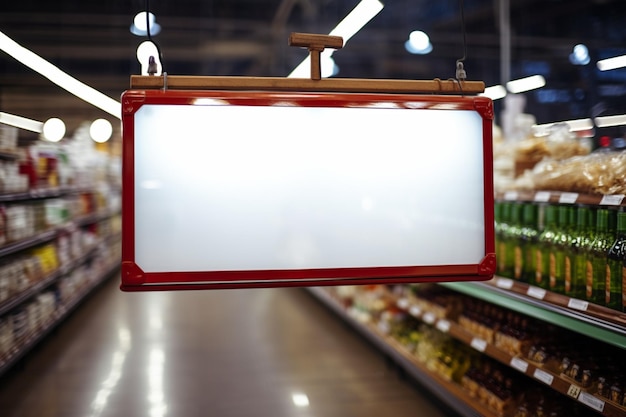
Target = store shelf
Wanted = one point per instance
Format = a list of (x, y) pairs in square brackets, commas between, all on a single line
[(557, 382), (8, 154), (42, 193), (560, 197), (25, 295), (94, 217), (583, 310), (49, 235), (445, 390), (30, 341), (553, 308), (448, 392), (36, 288), (28, 242)]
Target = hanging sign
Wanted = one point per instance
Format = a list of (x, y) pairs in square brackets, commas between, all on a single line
[(280, 182)]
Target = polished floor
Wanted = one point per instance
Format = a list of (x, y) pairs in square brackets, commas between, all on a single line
[(271, 352)]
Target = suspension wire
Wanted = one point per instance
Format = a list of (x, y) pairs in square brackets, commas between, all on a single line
[(150, 36), (461, 75)]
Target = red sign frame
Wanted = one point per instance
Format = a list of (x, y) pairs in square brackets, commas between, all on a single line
[(135, 279)]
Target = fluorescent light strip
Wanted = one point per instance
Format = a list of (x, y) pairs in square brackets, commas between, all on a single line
[(21, 122), (578, 125), (365, 11), (526, 84), (60, 78), (495, 92), (612, 63), (609, 121)]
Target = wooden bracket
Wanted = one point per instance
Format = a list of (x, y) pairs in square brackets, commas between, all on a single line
[(315, 44)]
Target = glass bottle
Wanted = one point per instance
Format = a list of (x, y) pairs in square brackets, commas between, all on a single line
[(568, 253), (597, 261), (513, 255), (544, 251), (616, 259), (559, 246), (581, 249), (505, 216), (528, 242)]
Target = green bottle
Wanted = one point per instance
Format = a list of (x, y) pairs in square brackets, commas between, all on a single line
[(514, 248), (582, 247), (528, 242), (544, 254), (505, 217), (510, 237), (597, 266), (499, 226), (617, 264), (569, 252), (559, 267)]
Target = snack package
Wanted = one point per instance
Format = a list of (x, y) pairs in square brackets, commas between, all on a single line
[(596, 173)]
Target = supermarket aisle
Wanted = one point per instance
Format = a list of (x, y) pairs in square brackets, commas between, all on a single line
[(210, 353)]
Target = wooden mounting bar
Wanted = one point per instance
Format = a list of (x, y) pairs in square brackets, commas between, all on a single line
[(336, 85), (312, 40), (316, 44)]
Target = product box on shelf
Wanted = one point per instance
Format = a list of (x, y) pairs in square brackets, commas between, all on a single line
[(8, 138)]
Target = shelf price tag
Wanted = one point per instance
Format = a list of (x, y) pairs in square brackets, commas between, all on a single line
[(568, 198), (612, 200), (573, 391), (542, 196), (577, 304), (591, 401), (415, 311), (429, 318), (519, 364), (403, 303), (443, 326), (383, 326), (504, 283), (543, 376), (536, 292), (479, 344)]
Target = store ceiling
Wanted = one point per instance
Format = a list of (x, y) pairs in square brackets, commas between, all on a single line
[(92, 41)]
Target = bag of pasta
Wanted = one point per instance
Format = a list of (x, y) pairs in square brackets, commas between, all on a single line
[(596, 173)]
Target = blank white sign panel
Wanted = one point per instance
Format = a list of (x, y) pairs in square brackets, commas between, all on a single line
[(229, 187)]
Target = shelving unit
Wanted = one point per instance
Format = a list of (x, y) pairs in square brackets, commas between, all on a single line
[(23, 346), (558, 383), (461, 402), (28, 343), (60, 242), (35, 289), (560, 197), (603, 324), (450, 393)]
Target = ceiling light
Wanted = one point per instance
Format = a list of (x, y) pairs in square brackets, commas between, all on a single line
[(100, 130), (580, 55), (300, 400), (53, 129), (60, 78), (418, 43), (139, 26), (347, 28), (495, 92), (612, 63), (526, 84), (578, 125), (608, 121), (329, 67), (21, 122), (144, 51)]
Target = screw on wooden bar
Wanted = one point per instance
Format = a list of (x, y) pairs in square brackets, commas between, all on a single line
[(315, 44)]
